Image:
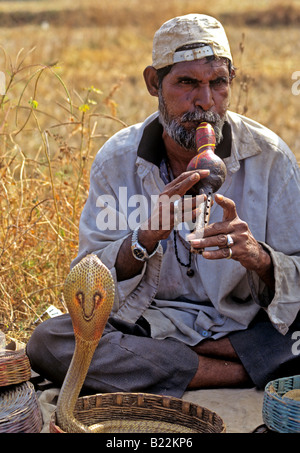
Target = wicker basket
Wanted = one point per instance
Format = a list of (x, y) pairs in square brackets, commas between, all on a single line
[(14, 367), (180, 415), (19, 410), (282, 414)]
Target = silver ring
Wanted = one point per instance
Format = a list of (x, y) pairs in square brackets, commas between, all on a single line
[(230, 254), (230, 241)]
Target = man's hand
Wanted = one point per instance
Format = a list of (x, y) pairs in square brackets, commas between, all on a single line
[(161, 221), (164, 217), (245, 248)]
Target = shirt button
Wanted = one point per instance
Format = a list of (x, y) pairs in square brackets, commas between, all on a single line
[(205, 333)]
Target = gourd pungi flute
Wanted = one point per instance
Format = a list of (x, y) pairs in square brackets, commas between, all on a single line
[(206, 159)]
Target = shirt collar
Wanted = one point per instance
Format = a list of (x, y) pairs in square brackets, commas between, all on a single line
[(243, 143)]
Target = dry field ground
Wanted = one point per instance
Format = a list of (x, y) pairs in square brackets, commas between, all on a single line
[(74, 77)]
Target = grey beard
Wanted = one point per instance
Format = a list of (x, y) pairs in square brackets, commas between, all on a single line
[(176, 130)]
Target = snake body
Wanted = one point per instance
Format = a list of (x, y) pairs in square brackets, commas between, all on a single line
[(89, 294)]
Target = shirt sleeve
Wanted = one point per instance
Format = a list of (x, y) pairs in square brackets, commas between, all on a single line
[(283, 245)]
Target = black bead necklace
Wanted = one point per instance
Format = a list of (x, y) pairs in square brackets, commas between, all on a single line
[(167, 176), (190, 272)]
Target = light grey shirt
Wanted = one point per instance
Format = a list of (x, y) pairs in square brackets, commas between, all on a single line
[(263, 179)]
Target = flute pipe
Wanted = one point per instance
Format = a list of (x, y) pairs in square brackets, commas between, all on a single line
[(202, 221)]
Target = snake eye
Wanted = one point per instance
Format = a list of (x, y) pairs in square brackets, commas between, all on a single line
[(98, 299)]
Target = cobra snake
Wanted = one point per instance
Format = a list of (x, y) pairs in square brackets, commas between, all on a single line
[(89, 295)]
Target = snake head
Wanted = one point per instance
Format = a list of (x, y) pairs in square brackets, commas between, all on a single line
[(89, 294)]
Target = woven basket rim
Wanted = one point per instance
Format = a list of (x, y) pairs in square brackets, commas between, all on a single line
[(118, 402), (271, 389), (279, 413), (14, 367), (19, 409), (9, 353)]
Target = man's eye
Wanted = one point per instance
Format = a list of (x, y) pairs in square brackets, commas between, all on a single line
[(220, 81), (186, 81)]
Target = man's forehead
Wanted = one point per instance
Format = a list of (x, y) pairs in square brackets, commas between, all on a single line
[(190, 68)]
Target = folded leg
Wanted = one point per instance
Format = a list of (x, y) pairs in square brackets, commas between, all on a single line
[(126, 359)]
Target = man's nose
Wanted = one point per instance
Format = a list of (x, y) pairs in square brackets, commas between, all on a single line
[(203, 97)]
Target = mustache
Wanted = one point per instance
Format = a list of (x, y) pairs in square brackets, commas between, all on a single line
[(200, 116)]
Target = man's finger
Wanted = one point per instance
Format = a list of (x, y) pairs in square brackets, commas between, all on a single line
[(228, 206), (186, 181)]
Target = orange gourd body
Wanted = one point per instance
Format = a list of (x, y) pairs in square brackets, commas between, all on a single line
[(206, 159)]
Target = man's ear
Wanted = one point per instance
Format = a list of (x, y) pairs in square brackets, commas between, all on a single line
[(151, 80), (232, 75)]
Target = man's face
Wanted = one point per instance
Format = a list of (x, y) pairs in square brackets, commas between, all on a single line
[(192, 92)]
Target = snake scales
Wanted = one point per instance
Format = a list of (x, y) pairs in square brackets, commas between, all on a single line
[(89, 295)]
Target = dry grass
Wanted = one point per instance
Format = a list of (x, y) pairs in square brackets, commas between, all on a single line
[(82, 83)]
